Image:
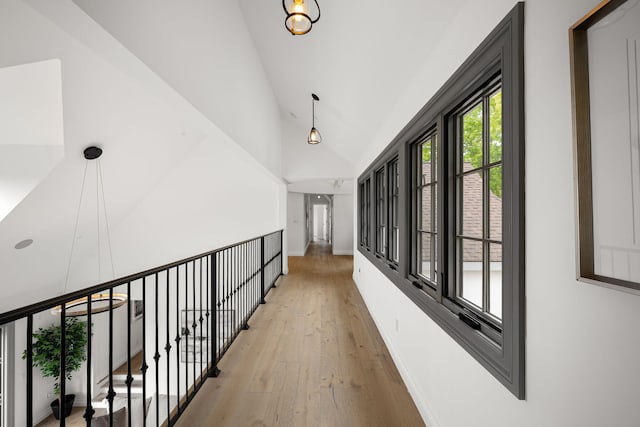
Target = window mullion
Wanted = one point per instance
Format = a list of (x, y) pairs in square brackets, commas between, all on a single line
[(452, 157), (371, 212), (388, 207), (441, 212), (404, 213), (486, 110)]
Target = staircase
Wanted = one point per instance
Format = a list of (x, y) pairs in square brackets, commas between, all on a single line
[(120, 388), (101, 404)]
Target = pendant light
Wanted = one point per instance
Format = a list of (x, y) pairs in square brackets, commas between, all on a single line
[(100, 302), (298, 20), (314, 136)]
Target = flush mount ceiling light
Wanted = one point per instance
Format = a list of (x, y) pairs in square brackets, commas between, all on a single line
[(298, 20), (314, 136), (99, 302), (23, 244)]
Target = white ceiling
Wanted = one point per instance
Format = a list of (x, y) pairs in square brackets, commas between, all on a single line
[(31, 130), (357, 58)]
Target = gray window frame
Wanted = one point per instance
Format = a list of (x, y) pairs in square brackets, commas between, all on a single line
[(431, 287), (500, 351), (380, 211), (364, 214), (393, 212)]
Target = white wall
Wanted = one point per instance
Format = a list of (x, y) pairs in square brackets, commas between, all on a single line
[(297, 232), (343, 224), (582, 342), (204, 51)]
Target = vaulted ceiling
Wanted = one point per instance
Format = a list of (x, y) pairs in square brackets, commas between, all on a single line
[(358, 58)]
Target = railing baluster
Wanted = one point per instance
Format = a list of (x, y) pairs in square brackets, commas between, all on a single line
[(214, 372), (233, 292), (254, 268), (219, 314), (167, 348), (281, 257), (254, 272), (207, 314), (111, 394), (129, 376), (63, 365), (194, 325), (88, 413), (231, 289), (224, 275), (228, 315), (29, 370), (177, 339), (262, 301), (156, 355), (185, 329), (240, 286), (201, 330), (247, 295), (243, 300), (144, 366), (228, 306)]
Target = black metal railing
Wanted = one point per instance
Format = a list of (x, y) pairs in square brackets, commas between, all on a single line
[(153, 353)]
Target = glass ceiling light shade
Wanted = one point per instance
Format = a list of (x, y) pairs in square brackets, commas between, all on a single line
[(99, 302), (298, 20), (314, 136)]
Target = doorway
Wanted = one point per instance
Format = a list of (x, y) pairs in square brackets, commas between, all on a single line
[(320, 214)]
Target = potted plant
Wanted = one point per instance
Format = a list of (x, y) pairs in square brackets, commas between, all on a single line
[(46, 356)]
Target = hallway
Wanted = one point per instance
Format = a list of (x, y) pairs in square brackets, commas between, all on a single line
[(312, 357)]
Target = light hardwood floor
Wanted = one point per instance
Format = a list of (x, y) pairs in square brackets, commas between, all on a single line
[(313, 357)]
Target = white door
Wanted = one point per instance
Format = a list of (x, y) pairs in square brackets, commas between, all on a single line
[(321, 223)]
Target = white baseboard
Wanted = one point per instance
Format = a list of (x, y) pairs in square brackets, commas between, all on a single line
[(342, 252), (425, 410), (296, 253)]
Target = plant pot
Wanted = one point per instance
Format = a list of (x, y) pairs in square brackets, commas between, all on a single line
[(68, 406)]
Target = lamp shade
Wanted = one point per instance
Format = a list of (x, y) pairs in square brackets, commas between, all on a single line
[(298, 20), (314, 136)]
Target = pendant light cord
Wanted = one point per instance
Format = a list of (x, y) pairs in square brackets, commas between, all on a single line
[(98, 219), (106, 221), (75, 229), (99, 188)]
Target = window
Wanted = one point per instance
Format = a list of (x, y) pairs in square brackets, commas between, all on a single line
[(425, 179), (455, 195), (365, 188), (394, 201), (478, 146), (381, 220)]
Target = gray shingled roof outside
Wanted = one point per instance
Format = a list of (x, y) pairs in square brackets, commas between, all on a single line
[(472, 215)]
